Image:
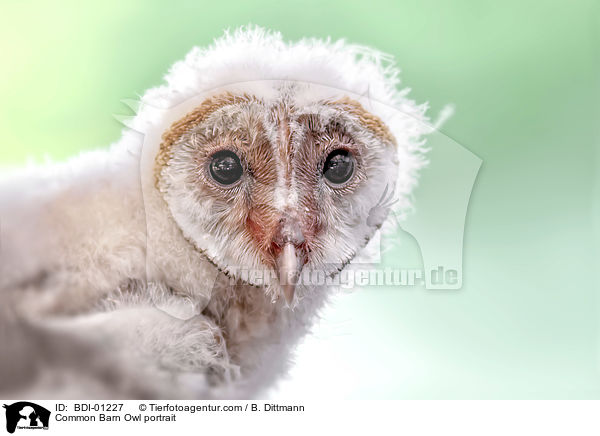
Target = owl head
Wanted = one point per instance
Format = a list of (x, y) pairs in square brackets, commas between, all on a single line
[(279, 166)]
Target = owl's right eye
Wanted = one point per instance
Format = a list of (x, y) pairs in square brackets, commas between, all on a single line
[(225, 167)]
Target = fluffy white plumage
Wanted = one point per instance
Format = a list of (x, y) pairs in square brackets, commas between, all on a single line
[(111, 283)]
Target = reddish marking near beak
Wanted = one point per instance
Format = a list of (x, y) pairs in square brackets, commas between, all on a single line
[(282, 245)]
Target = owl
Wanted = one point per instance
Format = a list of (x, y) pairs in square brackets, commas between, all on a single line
[(188, 259)]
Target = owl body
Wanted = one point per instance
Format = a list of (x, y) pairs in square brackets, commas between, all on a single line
[(174, 264)]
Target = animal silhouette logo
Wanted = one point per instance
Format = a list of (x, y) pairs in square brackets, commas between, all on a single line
[(26, 415)]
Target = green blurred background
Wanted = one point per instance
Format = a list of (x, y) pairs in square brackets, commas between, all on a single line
[(525, 79)]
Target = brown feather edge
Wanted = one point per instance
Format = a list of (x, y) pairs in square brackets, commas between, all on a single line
[(180, 127)]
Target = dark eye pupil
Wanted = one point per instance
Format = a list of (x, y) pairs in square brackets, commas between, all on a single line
[(339, 167), (225, 167)]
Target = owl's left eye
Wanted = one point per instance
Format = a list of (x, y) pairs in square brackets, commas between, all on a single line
[(225, 167), (339, 167)]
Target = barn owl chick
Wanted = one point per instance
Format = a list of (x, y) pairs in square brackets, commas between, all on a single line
[(181, 262)]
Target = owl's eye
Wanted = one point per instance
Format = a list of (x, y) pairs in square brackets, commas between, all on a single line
[(225, 167), (339, 167)]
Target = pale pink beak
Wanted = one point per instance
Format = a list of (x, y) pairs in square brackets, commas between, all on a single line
[(289, 265), (290, 255)]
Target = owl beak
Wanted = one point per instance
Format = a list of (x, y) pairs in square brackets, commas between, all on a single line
[(290, 261)]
